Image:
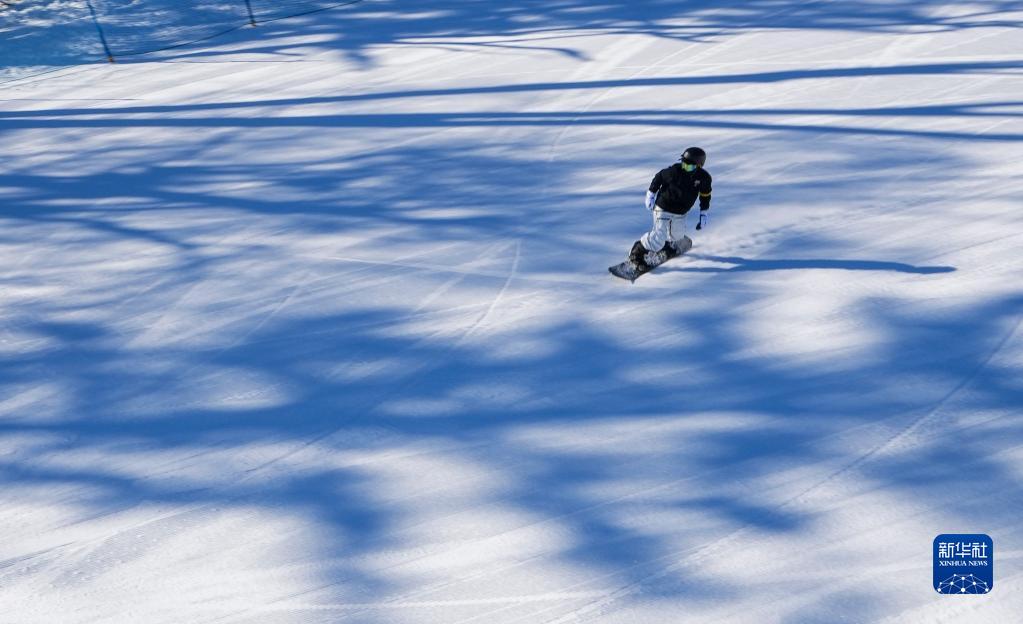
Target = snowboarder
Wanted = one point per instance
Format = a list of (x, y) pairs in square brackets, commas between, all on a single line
[(673, 192)]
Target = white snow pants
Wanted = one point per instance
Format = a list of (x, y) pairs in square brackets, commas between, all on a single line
[(667, 227)]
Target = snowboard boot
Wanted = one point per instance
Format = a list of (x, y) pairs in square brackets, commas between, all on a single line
[(669, 250), (638, 257)]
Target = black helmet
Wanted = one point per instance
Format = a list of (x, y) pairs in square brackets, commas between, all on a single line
[(695, 156)]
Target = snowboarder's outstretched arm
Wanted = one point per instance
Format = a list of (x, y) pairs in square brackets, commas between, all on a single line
[(651, 193), (657, 182), (705, 184), (705, 188)]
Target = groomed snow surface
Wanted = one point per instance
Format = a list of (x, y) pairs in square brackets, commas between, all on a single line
[(311, 322)]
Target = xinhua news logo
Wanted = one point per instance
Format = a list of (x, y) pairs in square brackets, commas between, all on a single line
[(964, 564)]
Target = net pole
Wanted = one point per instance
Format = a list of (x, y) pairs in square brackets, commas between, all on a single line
[(99, 29), (252, 16)]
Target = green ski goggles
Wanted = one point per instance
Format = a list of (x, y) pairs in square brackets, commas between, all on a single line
[(689, 166)]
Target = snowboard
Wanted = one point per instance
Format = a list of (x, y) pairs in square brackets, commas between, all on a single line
[(627, 270)]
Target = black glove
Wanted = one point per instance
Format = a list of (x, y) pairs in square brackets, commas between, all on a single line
[(702, 223)]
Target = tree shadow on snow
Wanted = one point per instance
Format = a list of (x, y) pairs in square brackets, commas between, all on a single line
[(38, 36), (414, 372)]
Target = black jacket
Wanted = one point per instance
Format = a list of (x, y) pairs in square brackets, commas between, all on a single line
[(678, 189)]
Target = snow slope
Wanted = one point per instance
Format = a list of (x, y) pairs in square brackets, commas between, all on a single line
[(311, 323)]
